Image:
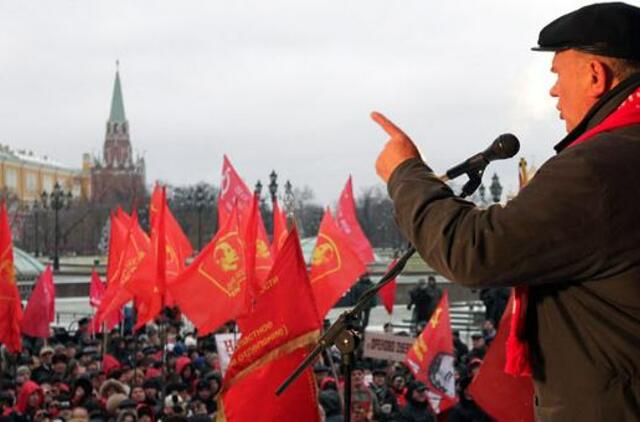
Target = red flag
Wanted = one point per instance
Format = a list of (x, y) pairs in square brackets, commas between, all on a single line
[(430, 359), (279, 228), (120, 226), (348, 222), (118, 229), (335, 267), (177, 244), (388, 292), (233, 193), (502, 396), (10, 305), (212, 290), (259, 259), (38, 313), (254, 394), (135, 250), (50, 291), (96, 289), (149, 282), (277, 336), (109, 363), (284, 307)]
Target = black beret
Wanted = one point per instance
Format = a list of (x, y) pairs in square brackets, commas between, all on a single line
[(605, 29)]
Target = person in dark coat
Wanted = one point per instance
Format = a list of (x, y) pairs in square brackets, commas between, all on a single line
[(386, 398), (421, 300), (45, 370), (329, 399), (495, 301), (417, 408), (363, 284), (569, 240), (466, 410), (459, 347)]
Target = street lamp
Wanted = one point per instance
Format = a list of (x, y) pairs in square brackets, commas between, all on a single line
[(258, 188), (289, 203), (273, 186), (200, 202), (495, 188), (482, 191), (57, 200), (36, 227)]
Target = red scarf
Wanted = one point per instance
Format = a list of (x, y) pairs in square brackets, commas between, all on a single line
[(517, 359)]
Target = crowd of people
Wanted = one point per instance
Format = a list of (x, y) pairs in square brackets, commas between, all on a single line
[(128, 376)]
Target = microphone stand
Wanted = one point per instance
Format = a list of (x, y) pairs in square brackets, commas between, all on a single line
[(345, 333)]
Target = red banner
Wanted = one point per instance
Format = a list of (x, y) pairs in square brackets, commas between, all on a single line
[(279, 228), (276, 337), (347, 220), (504, 397), (284, 309), (135, 249), (431, 358), (39, 311), (233, 193), (212, 290), (10, 305), (335, 267), (253, 397)]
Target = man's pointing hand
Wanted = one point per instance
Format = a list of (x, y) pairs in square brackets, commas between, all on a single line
[(398, 148)]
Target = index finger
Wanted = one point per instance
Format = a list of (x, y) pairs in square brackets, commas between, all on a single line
[(386, 124)]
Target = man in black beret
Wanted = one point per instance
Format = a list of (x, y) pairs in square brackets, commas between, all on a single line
[(568, 242)]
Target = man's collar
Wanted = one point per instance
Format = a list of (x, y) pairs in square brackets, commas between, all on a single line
[(601, 109)]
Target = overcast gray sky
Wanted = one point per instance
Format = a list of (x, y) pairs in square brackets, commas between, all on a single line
[(278, 84)]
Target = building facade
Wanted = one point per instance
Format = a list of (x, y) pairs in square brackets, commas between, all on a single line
[(26, 175)]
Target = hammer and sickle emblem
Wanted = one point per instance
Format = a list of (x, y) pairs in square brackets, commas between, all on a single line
[(436, 317)]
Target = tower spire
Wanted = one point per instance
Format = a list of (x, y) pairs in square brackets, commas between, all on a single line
[(117, 104)]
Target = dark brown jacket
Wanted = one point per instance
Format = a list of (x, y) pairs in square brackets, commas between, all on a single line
[(573, 235)]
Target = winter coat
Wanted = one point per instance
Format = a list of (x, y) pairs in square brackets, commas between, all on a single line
[(572, 235)]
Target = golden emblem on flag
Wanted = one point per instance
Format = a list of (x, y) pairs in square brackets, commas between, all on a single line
[(322, 254), (173, 266), (225, 267), (226, 257), (262, 250), (7, 269), (325, 258)]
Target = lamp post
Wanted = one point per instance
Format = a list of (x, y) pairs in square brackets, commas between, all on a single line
[(36, 227), (482, 191), (57, 200), (200, 202), (495, 188), (289, 204), (273, 186)]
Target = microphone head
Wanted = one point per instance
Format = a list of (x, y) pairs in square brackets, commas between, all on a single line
[(505, 146)]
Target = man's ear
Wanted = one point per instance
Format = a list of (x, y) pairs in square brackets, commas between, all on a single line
[(602, 79)]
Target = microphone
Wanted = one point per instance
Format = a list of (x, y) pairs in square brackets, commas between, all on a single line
[(505, 146)]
